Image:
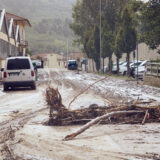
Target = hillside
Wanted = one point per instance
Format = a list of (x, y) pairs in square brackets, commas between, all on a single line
[(50, 21)]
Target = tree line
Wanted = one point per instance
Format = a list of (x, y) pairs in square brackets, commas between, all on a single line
[(57, 25), (124, 24)]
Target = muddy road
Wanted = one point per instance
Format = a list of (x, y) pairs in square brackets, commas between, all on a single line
[(23, 112)]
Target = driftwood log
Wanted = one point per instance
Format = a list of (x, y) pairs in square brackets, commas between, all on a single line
[(96, 120)]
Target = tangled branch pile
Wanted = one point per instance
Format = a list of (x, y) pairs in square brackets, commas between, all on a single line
[(61, 116)]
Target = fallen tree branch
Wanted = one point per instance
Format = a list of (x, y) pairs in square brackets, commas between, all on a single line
[(61, 116), (145, 117), (84, 91), (94, 121)]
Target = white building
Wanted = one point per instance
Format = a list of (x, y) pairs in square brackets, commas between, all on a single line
[(12, 35)]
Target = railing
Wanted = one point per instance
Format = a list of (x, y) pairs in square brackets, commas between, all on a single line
[(153, 69)]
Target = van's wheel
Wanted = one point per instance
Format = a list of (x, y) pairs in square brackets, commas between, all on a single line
[(5, 87), (33, 86)]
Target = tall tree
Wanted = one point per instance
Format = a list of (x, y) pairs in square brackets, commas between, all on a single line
[(135, 9), (96, 44), (112, 13), (92, 46), (119, 48), (107, 44), (86, 14), (151, 24), (129, 35)]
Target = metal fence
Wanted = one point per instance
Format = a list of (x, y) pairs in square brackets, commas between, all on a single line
[(153, 69)]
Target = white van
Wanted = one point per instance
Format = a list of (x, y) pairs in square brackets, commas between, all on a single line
[(18, 72)]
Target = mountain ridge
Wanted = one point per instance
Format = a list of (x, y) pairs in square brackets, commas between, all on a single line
[(50, 21)]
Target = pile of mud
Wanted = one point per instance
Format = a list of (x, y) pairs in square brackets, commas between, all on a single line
[(61, 116)]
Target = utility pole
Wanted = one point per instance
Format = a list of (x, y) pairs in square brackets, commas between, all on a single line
[(67, 51), (137, 62), (100, 32)]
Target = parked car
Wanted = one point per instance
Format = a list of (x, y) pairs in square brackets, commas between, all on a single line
[(18, 72), (144, 63), (72, 65), (38, 63), (133, 65), (123, 68), (140, 70), (114, 69)]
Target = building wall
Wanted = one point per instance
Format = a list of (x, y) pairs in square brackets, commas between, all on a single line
[(22, 37), (2, 63), (7, 49), (54, 61), (9, 45), (76, 55), (4, 49), (21, 32), (4, 37)]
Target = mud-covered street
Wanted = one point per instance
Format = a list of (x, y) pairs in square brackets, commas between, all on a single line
[(23, 135)]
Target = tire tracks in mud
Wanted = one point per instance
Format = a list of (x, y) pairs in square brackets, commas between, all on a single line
[(60, 78), (8, 130), (9, 127)]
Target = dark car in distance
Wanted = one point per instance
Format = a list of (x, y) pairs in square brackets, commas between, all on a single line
[(72, 65)]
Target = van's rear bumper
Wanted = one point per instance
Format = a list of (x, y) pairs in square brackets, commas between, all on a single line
[(19, 83)]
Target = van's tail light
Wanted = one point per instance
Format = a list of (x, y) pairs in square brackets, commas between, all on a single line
[(32, 73), (5, 74)]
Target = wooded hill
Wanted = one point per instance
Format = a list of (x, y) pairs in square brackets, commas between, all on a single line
[(50, 21)]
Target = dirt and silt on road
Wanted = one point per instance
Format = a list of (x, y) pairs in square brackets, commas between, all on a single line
[(23, 112)]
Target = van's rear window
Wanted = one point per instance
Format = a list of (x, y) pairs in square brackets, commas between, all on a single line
[(15, 64), (72, 62)]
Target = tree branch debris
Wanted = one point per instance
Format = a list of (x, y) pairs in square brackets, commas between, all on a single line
[(61, 116)]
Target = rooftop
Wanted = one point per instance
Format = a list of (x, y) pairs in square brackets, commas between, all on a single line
[(18, 19)]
